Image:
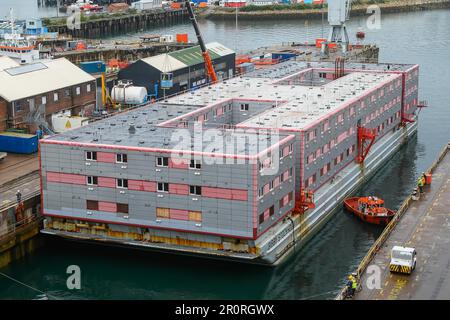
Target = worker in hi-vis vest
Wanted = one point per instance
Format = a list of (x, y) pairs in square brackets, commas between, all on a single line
[(421, 183)]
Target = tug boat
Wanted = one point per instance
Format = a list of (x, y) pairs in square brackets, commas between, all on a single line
[(369, 209)]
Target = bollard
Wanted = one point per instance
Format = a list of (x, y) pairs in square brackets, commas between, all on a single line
[(415, 194)]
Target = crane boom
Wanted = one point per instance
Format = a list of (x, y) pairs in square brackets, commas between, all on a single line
[(206, 57)]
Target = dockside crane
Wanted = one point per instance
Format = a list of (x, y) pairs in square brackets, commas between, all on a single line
[(338, 14), (206, 57)]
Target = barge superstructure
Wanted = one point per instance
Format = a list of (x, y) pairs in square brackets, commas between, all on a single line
[(246, 169)]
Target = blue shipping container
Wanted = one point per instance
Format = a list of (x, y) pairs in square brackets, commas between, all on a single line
[(93, 67), (283, 56), (18, 142)]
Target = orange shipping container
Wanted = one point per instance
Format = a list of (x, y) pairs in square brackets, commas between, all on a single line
[(175, 5), (319, 42), (202, 5), (182, 38), (241, 59)]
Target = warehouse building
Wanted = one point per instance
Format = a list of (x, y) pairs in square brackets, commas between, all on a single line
[(186, 66), (31, 94)]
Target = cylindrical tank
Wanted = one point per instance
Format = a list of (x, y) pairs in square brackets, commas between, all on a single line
[(129, 94)]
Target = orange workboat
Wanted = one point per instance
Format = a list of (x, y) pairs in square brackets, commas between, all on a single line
[(369, 209)]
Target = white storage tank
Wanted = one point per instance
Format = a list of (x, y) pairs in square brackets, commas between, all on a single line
[(62, 122), (127, 93)]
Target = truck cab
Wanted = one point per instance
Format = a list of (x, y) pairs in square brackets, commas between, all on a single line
[(403, 260)]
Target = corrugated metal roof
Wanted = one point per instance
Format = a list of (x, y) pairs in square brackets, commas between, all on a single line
[(7, 62), (172, 61), (164, 63), (58, 74), (219, 49), (192, 56)]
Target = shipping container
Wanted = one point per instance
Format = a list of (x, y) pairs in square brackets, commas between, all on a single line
[(282, 56), (93, 67), (182, 37), (14, 142)]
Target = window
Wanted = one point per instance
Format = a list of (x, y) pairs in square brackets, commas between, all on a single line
[(291, 148), (271, 211), (195, 164), (44, 100), (162, 162), (17, 107), (55, 96), (162, 213), (121, 158), (67, 93), (261, 218), (88, 88), (195, 216), (244, 106), (122, 183), (163, 187), (261, 192), (78, 91), (92, 180), (91, 205), (91, 155), (122, 207), (271, 185), (195, 190), (205, 117)]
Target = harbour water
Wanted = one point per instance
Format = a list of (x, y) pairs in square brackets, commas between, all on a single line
[(316, 271), (24, 9)]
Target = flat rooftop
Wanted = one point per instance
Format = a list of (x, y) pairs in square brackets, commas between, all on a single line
[(306, 104), (138, 129), (297, 105)]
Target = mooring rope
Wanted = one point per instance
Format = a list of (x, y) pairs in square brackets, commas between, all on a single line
[(28, 286)]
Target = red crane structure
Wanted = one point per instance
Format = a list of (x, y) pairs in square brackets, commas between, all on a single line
[(206, 57)]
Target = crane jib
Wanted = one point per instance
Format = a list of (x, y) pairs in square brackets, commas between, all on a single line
[(194, 23)]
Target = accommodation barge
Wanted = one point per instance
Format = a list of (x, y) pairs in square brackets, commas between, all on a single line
[(247, 169)]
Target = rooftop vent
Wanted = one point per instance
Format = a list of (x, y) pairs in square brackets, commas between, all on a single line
[(132, 129)]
